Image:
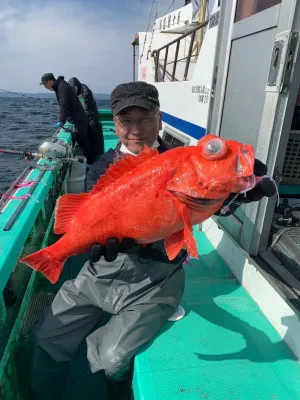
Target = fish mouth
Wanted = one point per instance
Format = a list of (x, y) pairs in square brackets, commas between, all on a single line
[(247, 183), (196, 201)]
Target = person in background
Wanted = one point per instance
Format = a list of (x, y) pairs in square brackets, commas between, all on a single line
[(72, 111), (138, 286), (86, 97)]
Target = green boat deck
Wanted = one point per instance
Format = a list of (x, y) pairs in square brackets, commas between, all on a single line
[(223, 349), (108, 126)]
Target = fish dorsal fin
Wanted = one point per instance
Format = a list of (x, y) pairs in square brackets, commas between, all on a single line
[(122, 167)]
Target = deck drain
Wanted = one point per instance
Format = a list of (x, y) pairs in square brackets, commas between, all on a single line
[(39, 302)]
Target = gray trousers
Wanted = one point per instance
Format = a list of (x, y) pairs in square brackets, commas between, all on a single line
[(140, 296)]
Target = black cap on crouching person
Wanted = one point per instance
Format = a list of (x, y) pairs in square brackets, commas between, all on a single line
[(139, 94), (48, 76)]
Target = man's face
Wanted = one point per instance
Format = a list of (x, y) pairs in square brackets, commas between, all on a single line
[(48, 85), (136, 126)]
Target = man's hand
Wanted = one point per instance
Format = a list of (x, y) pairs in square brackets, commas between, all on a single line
[(110, 251), (264, 188), (59, 125)]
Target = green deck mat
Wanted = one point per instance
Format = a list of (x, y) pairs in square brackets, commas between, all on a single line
[(223, 349)]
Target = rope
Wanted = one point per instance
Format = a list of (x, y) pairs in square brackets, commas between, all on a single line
[(151, 40), (26, 183), (23, 184), (152, 9), (172, 4), (25, 196)]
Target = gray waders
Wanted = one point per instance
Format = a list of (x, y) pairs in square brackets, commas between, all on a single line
[(139, 293)]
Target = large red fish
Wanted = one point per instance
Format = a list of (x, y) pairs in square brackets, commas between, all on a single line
[(149, 197)]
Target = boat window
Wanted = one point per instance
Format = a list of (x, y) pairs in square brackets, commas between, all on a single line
[(246, 8), (175, 139), (178, 18)]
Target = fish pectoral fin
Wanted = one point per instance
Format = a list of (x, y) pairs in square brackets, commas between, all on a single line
[(178, 240), (66, 206), (186, 182), (189, 239), (174, 244)]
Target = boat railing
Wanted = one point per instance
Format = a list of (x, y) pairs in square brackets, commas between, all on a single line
[(24, 230), (160, 64), (26, 219)]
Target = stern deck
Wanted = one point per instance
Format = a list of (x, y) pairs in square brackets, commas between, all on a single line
[(223, 349)]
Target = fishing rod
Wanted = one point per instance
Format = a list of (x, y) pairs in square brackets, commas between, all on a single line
[(27, 96), (23, 153), (56, 150)]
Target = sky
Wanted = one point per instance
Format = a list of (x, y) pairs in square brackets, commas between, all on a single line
[(89, 39)]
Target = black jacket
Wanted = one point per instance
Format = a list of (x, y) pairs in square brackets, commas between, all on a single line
[(70, 106), (87, 100), (72, 110), (84, 93)]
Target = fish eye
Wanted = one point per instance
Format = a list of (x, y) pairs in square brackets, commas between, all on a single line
[(214, 149)]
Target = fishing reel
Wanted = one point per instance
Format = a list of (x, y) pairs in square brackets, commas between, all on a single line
[(54, 148)]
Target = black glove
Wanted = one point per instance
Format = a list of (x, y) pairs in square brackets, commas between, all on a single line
[(264, 188), (110, 251)]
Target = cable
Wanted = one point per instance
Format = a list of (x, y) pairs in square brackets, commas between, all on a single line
[(168, 8), (29, 97), (149, 17), (147, 29)]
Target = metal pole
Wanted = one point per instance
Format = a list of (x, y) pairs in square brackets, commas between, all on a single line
[(202, 16), (133, 62)]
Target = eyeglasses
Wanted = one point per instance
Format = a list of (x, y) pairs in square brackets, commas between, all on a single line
[(128, 123)]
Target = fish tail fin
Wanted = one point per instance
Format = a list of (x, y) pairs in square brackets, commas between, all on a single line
[(46, 262)]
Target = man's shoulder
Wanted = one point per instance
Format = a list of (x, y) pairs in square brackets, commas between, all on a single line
[(104, 160), (107, 156), (62, 84), (85, 88), (163, 146), (98, 168)]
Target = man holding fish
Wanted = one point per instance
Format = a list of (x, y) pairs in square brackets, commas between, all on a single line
[(133, 275)]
